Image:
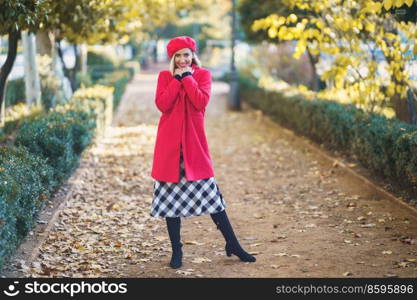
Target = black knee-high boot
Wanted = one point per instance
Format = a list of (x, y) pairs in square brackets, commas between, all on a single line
[(232, 244), (173, 225)]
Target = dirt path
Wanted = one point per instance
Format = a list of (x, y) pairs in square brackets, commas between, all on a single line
[(298, 214)]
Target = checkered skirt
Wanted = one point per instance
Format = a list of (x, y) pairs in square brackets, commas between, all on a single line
[(186, 198)]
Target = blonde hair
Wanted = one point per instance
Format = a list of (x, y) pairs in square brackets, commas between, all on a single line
[(194, 61)]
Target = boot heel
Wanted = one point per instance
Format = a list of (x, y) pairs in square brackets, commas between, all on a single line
[(242, 254), (228, 250), (232, 243)]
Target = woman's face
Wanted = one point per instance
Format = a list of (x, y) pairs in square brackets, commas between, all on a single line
[(183, 58)]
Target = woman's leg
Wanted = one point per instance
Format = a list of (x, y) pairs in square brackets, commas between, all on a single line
[(232, 244), (174, 225)]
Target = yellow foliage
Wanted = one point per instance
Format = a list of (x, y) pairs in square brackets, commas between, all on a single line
[(320, 24), (342, 23), (96, 91), (409, 2), (20, 110), (272, 32), (292, 18), (337, 30), (399, 3), (369, 26), (404, 49), (391, 36), (387, 4), (302, 88), (372, 7)]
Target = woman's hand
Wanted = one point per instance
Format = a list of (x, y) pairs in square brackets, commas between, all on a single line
[(179, 71), (187, 69)]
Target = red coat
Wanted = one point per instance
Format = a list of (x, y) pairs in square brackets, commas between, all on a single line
[(183, 106)]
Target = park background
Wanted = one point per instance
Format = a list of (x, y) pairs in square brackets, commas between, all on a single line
[(341, 74)]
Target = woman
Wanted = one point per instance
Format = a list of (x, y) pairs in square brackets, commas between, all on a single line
[(182, 167)]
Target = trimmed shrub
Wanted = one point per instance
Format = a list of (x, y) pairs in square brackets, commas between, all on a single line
[(59, 138), (384, 145), (26, 181), (15, 92)]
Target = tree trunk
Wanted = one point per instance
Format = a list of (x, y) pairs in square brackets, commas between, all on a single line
[(69, 73), (315, 81), (76, 67), (411, 100), (403, 106), (83, 58), (5, 70), (32, 81), (45, 43), (58, 69), (61, 56)]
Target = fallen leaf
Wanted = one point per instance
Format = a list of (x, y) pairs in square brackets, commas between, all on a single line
[(368, 225), (144, 259), (250, 238), (310, 225), (161, 238), (193, 243), (410, 241), (199, 260), (390, 275), (186, 273)]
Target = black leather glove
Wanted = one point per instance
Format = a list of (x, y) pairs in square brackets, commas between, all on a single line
[(186, 74)]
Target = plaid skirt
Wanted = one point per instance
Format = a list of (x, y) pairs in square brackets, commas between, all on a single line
[(186, 198)]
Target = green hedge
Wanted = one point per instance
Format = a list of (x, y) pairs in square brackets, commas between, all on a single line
[(45, 152), (59, 138), (94, 58), (118, 80), (16, 115), (25, 182), (384, 145), (15, 92), (99, 72)]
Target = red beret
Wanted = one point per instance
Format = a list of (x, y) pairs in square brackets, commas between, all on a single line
[(179, 43)]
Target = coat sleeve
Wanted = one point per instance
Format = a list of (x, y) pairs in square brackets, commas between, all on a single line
[(198, 91), (166, 91)]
